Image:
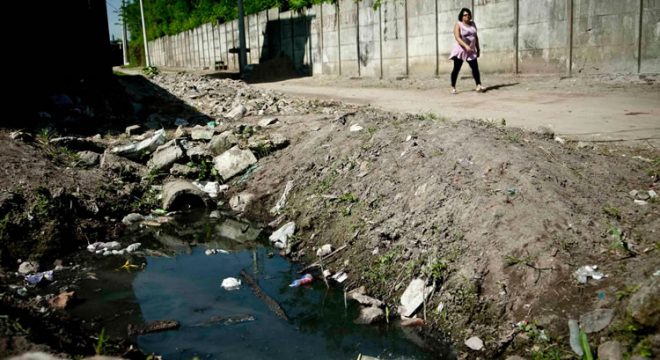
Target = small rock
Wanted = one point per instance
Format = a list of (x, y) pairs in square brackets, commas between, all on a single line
[(28, 267), (132, 130), (610, 350), (369, 315), (324, 250), (268, 121), (88, 158), (596, 320), (644, 305), (474, 343)]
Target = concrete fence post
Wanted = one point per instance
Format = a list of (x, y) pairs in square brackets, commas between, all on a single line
[(357, 35), (437, 39), (569, 40), (516, 35), (639, 36), (380, 38), (337, 15), (405, 21)]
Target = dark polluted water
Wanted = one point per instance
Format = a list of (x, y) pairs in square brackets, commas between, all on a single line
[(220, 324)]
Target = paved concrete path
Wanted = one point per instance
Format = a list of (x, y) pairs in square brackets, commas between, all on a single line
[(576, 110)]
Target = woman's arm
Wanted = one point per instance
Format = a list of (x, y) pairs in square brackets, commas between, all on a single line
[(476, 40), (457, 36)]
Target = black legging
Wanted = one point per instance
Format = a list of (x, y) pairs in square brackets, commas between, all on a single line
[(457, 67)]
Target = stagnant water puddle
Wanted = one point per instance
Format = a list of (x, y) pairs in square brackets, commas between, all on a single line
[(218, 324)]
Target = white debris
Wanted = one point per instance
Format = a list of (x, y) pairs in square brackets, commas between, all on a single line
[(355, 128), (640, 202), (209, 252), (560, 140), (280, 238), (324, 250), (474, 343), (231, 283), (340, 277), (584, 272), (282, 201)]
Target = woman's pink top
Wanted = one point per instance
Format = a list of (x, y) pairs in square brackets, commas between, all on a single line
[(469, 35)]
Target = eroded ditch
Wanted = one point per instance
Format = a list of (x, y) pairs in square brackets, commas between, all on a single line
[(181, 281)]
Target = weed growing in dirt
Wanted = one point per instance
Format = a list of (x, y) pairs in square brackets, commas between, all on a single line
[(626, 292), (206, 170), (44, 135), (379, 270), (263, 149), (612, 211), (435, 271), (99, 348), (512, 260), (513, 138), (326, 183), (349, 198)]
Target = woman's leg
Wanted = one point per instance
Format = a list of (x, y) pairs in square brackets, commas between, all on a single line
[(454, 74), (475, 71)]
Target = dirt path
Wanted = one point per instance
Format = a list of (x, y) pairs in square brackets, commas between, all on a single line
[(575, 108)]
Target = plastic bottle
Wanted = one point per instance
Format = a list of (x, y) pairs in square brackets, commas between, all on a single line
[(308, 278)]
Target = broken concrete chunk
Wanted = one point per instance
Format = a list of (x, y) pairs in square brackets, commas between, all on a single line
[(165, 157), (268, 121), (222, 142), (237, 113), (280, 238), (610, 350), (413, 297), (239, 202), (201, 133), (88, 158), (238, 231), (184, 171), (278, 140), (233, 161)]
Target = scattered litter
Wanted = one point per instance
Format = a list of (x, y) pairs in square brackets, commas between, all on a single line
[(640, 202), (215, 251), (231, 283), (36, 278), (560, 140), (327, 273), (584, 272), (308, 278), (656, 273), (652, 194), (340, 277), (99, 247), (213, 188), (355, 127)]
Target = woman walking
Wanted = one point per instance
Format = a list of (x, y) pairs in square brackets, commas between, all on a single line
[(466, 48)]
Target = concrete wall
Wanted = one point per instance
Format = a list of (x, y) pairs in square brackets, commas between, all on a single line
[(414, 38)]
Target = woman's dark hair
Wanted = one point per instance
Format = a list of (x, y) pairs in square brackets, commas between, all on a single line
[(463, 11)]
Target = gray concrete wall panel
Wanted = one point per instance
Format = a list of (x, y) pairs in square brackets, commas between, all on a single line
[(369, 57), (650, 46), (495, 27), (394, 38), (542, 37), (331, 33), (604, 37), (348, 16)]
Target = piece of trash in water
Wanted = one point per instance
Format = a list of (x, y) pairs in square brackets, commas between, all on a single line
[(36, 278), (601, 295), (584, 272), (231, 283), (215, 251), (308, 278)]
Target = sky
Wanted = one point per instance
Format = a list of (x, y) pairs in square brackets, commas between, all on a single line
[(114, 26)]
